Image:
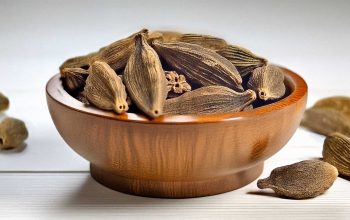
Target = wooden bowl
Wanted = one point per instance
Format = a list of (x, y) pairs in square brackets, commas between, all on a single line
[(176, 156)]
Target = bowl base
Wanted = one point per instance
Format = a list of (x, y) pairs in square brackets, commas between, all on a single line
[(176, 189)]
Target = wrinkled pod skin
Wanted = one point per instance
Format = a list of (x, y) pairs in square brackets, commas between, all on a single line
[(207, 41), (244, 60), (209, 100), (83, 62), (200, 65), (336, 151), (74, 78), (267, 82), (105, 89), (302, 180), (326, 121), (115, 54), (145, 79)]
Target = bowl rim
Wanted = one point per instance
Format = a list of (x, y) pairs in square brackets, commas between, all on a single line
[(57, 93)]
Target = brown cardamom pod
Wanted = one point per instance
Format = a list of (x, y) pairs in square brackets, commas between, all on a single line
[(267, 82), (205, 41), (117, 54), (244, 60), (74, 78), (145, 79), (302, 180), (248, 108), (83, 62), (13, 133), (326, 121), (81, 97), (336, 151), (165, 36), (199, 64), (209, 100), (339, 103), (4, 102), (105, 89)]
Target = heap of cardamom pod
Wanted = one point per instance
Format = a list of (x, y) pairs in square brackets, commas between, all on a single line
[(163, 72)]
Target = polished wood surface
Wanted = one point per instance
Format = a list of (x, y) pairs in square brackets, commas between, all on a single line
[(176, 156)]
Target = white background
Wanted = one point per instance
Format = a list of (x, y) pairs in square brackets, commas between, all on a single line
[(309, 37)]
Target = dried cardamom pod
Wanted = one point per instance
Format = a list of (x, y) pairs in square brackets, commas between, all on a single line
[(206, 41), (199, 64), (116, 55), (248, 108), (244, 60), (83, 62), (336, 151), (145, 79), (326, 121), (128, 99), (4, 102), (13, 133), (339, 103), (165, 36), (82, 97), (176, 83), (74, 78), (105, 89), (267, 82), (209, 100), (302, 180)]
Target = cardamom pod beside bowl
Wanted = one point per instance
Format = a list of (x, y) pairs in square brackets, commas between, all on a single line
[(177, 156)]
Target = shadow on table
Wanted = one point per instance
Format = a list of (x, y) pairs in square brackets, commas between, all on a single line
[(91, 193), (262, 193)]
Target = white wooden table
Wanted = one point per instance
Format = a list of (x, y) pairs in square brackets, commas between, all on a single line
[(47, 180)]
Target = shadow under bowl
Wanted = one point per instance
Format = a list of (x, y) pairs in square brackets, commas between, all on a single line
[(177, 156)]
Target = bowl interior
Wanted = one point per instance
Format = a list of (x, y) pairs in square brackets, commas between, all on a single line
[(296, 89)]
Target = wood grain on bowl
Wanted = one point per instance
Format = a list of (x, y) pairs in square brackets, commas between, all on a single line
[(177, 156)]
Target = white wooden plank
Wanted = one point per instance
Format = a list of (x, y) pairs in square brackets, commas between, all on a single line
[(45, 149), (78, 196)]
